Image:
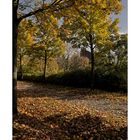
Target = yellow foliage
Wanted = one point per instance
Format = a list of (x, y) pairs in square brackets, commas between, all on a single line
[(25, 35)]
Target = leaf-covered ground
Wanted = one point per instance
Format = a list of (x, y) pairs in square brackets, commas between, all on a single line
[(47, 112)]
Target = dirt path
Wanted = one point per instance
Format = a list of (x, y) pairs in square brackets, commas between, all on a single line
[(48, 112), (113, 103)]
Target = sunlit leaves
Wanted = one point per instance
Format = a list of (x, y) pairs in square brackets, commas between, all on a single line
[(92, 17), (47, 35), (25, 34), (114, 26)]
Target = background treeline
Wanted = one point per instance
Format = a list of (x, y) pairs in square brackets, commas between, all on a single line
[(72, 66)]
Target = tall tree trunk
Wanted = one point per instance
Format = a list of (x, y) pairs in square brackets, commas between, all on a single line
[(15, 34), (15, 70), (21, 70), (45, 64), (92, 63)]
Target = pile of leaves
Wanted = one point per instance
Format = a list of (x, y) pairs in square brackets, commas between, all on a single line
[(46, 118)]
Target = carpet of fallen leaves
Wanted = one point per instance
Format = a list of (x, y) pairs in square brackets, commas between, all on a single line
[(47, 112)]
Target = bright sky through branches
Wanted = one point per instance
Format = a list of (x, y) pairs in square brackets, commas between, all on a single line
[(122, 16)]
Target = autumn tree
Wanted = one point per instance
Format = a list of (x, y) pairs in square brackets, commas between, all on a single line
[(120, 54), (90, 25), (48, 39), (24, 42), (27, 9), (120, 49)]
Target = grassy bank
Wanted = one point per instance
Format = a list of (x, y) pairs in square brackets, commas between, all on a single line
[(81, 78)]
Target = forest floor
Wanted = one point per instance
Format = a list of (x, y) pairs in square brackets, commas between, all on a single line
[(48, 112)]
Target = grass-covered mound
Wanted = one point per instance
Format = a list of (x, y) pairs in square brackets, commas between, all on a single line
[(82, 78)]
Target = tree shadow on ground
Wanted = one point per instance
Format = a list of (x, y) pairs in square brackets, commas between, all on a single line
[(61, 127), (58, 92)]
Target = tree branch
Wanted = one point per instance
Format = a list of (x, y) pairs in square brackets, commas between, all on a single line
[(39, 10), (65, 6)]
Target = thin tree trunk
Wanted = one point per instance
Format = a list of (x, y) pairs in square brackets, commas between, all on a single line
[(21, 70), (67, 64), (92, 63), (45, 64)]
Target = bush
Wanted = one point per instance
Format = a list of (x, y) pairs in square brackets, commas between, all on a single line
[(31, 78), (78, 78), (81, 78)]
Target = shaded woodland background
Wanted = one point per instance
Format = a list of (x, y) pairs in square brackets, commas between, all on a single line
[(72, 68)]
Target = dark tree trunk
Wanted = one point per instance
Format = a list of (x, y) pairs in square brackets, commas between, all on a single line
[(45, 64), (15, 34), (92, 63), (21, 70), (14, 72)]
